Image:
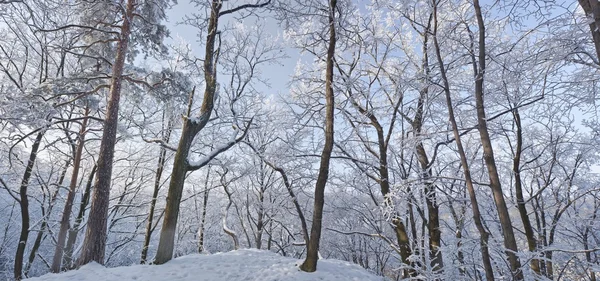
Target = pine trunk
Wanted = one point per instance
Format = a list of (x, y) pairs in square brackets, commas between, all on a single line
[(94, 243)]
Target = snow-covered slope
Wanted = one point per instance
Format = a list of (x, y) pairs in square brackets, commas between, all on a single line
[(246, 265)]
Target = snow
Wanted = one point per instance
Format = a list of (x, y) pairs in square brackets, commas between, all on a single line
[(241, 265)]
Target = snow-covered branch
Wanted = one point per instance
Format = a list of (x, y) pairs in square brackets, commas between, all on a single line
[(195, 165), (161, 142)]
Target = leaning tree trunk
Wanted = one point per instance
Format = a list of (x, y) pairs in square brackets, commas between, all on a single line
[(191, 127), (180, 167), (85, 199), (477, 218), (529, 234), (488, 155), (24, 205), (312, 255), (94, 243), (66, 215)]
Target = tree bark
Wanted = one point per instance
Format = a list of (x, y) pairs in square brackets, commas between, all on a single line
[(592, 10), (66, 215), (24, 205), (312, 255), (488, 154), (94, 243)]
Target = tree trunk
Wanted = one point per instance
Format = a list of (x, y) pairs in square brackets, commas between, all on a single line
[(260, 219), (203, 219), (433, 220), (85, 199), (586, 246), (312, 255), (531, 239), (433, 211), (484, 235), (384, 183), (24, 205), (95, 236), (592, 10), (162, 158), (191, 127), (226, 229), (488, 155), (167, 233), (66, 215)]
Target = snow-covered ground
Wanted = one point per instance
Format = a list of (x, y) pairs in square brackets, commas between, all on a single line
[(246, 265)]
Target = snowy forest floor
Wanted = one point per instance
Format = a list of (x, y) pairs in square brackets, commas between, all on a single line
[(241, 265)]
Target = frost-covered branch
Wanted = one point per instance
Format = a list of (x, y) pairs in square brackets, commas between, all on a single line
[(161, 142), (245, 6), (234, 139), (10, 192), (288, 186)]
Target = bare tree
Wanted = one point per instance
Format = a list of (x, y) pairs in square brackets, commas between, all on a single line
[(312, 254), (192, 126), (477, 217), (479, 65)]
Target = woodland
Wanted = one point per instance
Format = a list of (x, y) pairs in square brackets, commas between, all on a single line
[(418, 139)]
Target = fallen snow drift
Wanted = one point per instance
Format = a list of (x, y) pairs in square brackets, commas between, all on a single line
[(241, 265)]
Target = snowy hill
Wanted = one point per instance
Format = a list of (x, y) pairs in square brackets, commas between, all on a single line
[(241, 265)]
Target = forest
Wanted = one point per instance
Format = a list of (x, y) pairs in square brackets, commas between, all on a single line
[(418, 139)]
